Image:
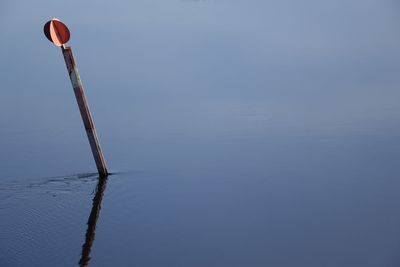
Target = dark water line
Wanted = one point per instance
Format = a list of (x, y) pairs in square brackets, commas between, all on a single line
[(92, 221)]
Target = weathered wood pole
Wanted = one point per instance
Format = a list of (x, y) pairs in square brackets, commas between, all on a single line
[(84, 109), (58, 33)]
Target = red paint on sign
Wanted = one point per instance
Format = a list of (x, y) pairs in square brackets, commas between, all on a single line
[(57, 32)]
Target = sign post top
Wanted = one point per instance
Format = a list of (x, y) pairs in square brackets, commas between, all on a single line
[(56, 31)]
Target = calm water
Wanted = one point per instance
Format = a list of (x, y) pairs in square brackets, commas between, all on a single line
[(239, 133)]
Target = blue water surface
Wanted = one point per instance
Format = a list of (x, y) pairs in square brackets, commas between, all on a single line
[(239, 133)]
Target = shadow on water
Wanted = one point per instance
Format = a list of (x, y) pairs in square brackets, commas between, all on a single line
[(92, 221)]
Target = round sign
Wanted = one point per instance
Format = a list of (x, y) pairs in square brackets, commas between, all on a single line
[(56, 31)]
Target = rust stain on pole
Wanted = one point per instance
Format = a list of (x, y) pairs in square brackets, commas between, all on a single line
[(58, 33)]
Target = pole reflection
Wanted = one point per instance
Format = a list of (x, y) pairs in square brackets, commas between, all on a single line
[(92, 221)]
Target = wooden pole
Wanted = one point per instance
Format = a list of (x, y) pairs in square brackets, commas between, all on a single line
[(84, 109)]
